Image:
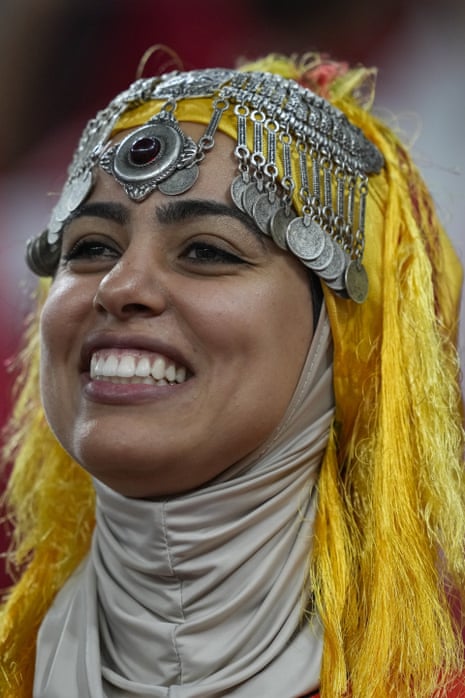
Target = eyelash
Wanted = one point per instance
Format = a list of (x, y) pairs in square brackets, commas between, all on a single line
[(89, 249), (216, 254)]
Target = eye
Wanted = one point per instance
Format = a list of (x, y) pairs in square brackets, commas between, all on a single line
[(90, 249), (206, 253)]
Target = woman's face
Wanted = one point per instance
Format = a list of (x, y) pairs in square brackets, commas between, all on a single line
[(181, 288)]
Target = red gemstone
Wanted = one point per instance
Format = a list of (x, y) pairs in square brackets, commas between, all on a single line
[(144, 150)]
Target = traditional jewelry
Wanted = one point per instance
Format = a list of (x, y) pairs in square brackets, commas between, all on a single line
[(334, 160)]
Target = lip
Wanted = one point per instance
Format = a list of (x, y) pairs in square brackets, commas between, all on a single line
[(136, 342), (109, 393)]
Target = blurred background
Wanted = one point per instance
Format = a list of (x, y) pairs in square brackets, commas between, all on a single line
[(61, 60)]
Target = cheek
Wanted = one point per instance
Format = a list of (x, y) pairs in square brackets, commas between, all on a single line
[(62, 318), (263, 329), (58, 313)]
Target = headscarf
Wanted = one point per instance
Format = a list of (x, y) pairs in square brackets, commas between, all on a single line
[(390, 525)]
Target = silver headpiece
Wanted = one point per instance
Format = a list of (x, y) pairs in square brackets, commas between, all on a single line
[(330, 180)]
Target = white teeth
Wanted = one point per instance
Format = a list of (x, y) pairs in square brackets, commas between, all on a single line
[(125, 367), (110, 366), (99, 361), (170, 373), (93, 364), (180, 375), (158, 368), (143, 367)]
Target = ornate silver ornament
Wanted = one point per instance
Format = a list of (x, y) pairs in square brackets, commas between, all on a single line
[(323, 157), (158, 153), (279, 223), (356, 281), (325, 257), (238, 187), (336, 265), (263, 211), (305, 240), (250, 195)]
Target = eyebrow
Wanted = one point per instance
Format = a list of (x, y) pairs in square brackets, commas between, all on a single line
[(168, 214), (184, 209), (108, 210)]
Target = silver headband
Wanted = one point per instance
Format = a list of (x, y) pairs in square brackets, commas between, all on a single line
[(330, 180)]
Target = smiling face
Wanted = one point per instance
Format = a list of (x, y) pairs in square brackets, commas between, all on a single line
[(173, 335)]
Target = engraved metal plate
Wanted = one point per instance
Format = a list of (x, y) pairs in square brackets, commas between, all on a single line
[(78, 191), (305, 241), (263, 210), (238, 186), (74, 193), (180, 181), (338, 284), (336, 266), (278, 226), (249, 197), (171, 144), (324, 258), (356, 280)]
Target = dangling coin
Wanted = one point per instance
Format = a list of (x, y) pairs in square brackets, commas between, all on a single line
[(336, 266), (305, 241), (180, 181), (238, 186), (249, 197), (279, 224), (324, 258), (356, 280), (78, 191), (62, 209), (263, 210), (338, 284)]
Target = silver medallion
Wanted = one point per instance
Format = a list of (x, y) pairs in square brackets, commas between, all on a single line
[(305, 241), (336, 266), (237, 189), (74, 193), (180, 181), (338, 284), (61, 210), (278, 226), (324, 258), (79, 191), (150, 155), (170, 143), (249, 197), (263, 211), (356, 281)]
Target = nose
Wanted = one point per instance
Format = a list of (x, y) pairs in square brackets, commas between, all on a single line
[(131, 287)]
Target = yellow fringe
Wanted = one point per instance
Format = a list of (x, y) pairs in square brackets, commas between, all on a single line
[(390, 528), (397, 498), (52, 504)]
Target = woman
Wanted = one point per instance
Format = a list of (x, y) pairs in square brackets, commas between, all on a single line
[(248, 376)]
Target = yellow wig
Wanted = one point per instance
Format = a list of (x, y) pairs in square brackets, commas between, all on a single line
[(389, 538)]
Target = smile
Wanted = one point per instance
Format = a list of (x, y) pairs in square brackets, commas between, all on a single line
[(119, 366)]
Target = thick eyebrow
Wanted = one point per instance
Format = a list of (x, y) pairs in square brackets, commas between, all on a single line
[(109, 210), (168, 214), (185, 209)]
